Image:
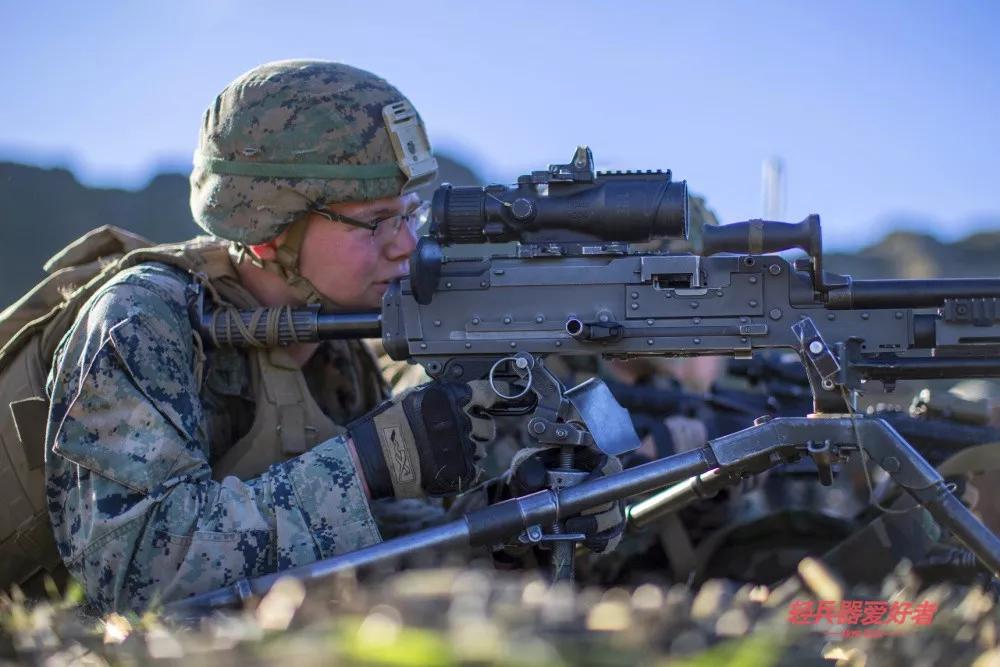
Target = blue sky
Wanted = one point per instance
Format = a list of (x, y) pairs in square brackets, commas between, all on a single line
[(878, 109)]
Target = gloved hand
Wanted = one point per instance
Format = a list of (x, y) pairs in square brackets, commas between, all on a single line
[(603, 525), (421, 442)]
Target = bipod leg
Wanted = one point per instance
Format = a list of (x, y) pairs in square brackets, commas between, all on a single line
[(913, 474), (889, 450)]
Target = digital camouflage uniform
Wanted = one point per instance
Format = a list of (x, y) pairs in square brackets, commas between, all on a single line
[(138, 417), (133, 504)]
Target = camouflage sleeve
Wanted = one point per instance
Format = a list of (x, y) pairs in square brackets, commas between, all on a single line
[(135, 512)]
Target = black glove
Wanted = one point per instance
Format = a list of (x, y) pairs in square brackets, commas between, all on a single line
[(603, 525), (419, 443)]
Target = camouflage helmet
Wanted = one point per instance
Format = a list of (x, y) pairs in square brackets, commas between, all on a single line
[(292, 135)]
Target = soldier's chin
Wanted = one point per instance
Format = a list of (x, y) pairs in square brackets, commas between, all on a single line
[(377, 290)]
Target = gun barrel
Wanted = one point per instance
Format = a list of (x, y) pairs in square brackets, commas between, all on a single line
[(283, 326), (927, 368), (910, 293), (349, 325)]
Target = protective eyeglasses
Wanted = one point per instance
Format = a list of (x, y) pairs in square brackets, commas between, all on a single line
[(383, 228)]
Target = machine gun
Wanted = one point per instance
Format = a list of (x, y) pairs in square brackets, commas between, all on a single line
[(574, 285)]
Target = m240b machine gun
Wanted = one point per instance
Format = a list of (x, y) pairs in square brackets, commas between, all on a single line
[(574, 285)]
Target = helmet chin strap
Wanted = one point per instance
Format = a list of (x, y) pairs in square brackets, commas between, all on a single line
[(286, 266)]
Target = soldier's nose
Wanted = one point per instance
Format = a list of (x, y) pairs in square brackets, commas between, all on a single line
[(402, 244)]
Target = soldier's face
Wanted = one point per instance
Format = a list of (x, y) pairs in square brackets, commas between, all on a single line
[(351, 266)]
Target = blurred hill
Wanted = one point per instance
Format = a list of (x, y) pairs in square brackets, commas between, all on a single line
[(903, 254), (42, 210)]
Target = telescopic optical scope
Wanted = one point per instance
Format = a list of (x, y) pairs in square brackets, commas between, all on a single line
[(568, 203)]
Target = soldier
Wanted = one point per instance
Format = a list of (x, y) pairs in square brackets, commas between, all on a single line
[(174, 467)]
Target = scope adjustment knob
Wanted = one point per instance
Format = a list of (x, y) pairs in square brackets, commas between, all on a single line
[(522, 209)]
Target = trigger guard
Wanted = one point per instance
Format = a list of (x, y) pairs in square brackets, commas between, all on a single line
[(512, 397)]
